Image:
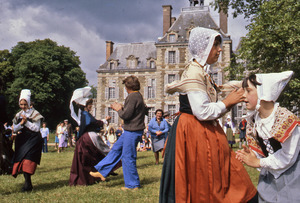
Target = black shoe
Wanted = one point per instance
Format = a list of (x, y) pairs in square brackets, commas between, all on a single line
[(113, 174), (27, 189)]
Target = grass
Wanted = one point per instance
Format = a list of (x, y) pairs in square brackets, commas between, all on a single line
[(50, 182)]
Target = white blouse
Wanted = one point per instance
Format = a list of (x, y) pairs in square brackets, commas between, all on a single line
[(203, 109), (33, 126), (278, 162)]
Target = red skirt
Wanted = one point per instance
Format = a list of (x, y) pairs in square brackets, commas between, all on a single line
[(206, 169)]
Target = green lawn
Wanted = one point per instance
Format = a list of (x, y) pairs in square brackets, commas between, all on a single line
[(50, 182)]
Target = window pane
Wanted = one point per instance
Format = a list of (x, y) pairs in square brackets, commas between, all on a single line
[(171, 78), (152, 64), (111, 93), (111, 65), (172, 38), (151, 113), (171, 56), (172, 111), (112, 114)]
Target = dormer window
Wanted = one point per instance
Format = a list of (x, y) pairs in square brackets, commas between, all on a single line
[(152, 64), (172, 38), (132, 62), (111, 65)]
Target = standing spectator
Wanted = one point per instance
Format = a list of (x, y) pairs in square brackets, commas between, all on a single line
[(167, 117), (133, 114), (242, 128), (199, 166), (62, 137), (70, 132), (45, 135), (229, 129), (158, 127), (111, 137), (28, 143), (119, 131), (56, 141)]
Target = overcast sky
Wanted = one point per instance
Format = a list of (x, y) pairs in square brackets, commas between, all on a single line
[(85, 25)]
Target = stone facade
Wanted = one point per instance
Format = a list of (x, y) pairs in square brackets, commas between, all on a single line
[(156, 63)]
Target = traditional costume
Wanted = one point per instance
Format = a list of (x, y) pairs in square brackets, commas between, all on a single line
[(276, 141), (28, 142), (199, 166), (90, 148), (229, 129)]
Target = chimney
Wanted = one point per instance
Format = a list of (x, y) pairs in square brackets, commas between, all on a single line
[(109, 48), (167, 14), (223, 22)]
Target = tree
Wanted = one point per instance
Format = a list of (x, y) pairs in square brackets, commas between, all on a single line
[(51, 72), (272, 43), (6, 71)]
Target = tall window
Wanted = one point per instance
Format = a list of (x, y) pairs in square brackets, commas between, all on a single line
[(172, 111), (111, 93), (151, 114), (171, 78), (171, 57), (172, 38), (151, 88), (112, 114)]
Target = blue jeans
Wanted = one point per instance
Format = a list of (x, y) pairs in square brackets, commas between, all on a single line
[(45, 147), (125, 149)]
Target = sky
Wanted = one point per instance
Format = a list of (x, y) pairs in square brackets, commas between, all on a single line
[(85, 25)]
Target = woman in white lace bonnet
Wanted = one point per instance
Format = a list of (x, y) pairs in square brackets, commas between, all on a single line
[(28, 142), (199, 166)]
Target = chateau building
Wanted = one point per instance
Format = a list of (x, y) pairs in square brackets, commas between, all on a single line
[(158, 63)]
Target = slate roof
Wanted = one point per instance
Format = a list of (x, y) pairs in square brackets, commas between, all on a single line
[(192, 16), (142, 51)]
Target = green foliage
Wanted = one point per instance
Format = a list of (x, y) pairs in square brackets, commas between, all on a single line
[(6, 70), (272, 45), (51, 72), (246, 7)]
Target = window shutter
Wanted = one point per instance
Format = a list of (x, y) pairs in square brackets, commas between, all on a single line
[(106, 93), (165, 83), (117, 117), (166, 108), (106, 111), (146, 92), (125, 93), (117, 92), (166, 57), (177, 107), (220, 82), (154, 87), (177, 56)]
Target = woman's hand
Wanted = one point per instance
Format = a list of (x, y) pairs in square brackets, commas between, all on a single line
[(158, 133), (236, 96), (24, 120), (248, 157), (107, 118), (116, 106)]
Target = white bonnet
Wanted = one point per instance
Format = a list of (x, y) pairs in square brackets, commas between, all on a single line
[(201, 42), (25, 94)]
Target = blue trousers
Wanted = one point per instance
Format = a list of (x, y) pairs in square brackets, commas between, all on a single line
[(125, 149), (45, 147)]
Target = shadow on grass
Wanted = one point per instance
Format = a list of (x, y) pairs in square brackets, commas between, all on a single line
[(44, 169), (50, 186)]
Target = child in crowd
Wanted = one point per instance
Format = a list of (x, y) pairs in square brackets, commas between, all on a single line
[(273, 136)]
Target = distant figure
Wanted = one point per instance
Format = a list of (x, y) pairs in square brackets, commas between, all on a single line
[(69, 131), (229, 129), (242, 128), (45, 135)]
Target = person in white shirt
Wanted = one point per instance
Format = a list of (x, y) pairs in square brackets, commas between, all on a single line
[(45, 135), (28, 142), (273, 136), (199, 166)]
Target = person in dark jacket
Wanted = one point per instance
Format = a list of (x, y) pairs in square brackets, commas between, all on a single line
[(133, 114)]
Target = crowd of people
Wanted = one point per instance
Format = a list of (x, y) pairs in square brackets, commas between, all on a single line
[(199, 163)]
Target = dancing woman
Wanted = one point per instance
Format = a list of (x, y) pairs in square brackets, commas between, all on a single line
[(90, 148), (28, 142)]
